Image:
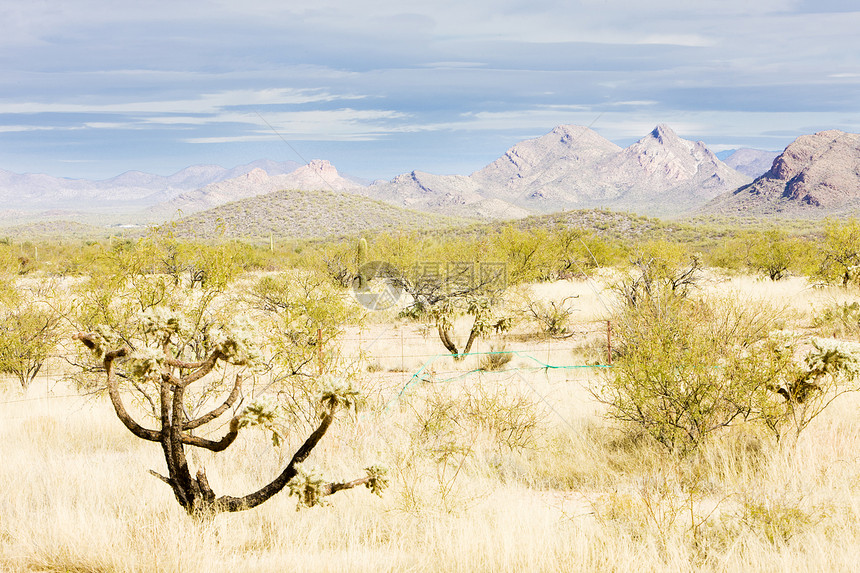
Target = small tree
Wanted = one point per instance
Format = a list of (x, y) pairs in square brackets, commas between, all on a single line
[(165, 366), (659, 271), (840, 252), (28, 334), (302, 315), (772, 252), (686, 368), (444, 296), (669, 374)]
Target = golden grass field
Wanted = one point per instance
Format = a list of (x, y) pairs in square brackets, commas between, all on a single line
[(515, 470)]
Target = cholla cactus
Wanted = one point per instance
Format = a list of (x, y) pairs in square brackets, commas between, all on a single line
[(236, 343), (484, 322), (334, 394), (231, 344), (311, 489), (829, 362), (829, 370), (161, 320), (264, 414)]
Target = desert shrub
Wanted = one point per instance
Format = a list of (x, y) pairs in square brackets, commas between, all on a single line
[(453, 431), (673, 356), (495, 359), (528, 255), (686, 368), (552, 317), (773, 253), (659, 270), (334, 260), (29, 333), (300, 316), (839, 252), (790, 394), (580, 252)]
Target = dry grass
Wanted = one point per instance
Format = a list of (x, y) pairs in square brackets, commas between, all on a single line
[(565, 491)]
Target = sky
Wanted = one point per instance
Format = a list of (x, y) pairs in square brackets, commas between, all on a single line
[(91, 89)]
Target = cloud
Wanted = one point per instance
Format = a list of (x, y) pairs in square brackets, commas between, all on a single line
[(207, 103), (22, 128), (317, 125)]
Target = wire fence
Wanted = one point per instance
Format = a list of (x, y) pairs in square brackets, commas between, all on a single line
[(406, 355)]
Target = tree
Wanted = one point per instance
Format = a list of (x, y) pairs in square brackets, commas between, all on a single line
[(302, 315), (529, 256), (29, 332), (29, 328), (772, 252), (165, 366), (685, 368), (840, 252), (659, 271)]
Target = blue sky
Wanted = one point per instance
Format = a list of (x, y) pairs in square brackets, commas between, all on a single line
[(90, 88)]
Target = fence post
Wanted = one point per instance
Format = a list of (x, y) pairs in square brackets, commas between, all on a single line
[(609, 342)]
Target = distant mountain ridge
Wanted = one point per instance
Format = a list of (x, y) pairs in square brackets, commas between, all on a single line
[(318, 174), (569, 168), (307, 214), (131, 190), (751, 162)]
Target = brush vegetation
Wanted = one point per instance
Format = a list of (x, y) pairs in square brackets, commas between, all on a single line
[(712, 427)]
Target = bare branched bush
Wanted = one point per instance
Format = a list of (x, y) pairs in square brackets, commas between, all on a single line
[(552, 317)]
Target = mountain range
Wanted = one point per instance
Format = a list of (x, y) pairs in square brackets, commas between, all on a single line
[(750, 162), (571, 167), (130, 191)]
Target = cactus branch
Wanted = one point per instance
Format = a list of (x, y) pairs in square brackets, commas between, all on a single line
[(228, 403)]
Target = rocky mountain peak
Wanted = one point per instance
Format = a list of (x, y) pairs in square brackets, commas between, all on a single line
[(256, 175), (807, 149), (575, 167), (664, 134), (320, 165), (819, 171)]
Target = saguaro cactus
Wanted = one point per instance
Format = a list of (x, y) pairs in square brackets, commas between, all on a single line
[(173, 377)]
